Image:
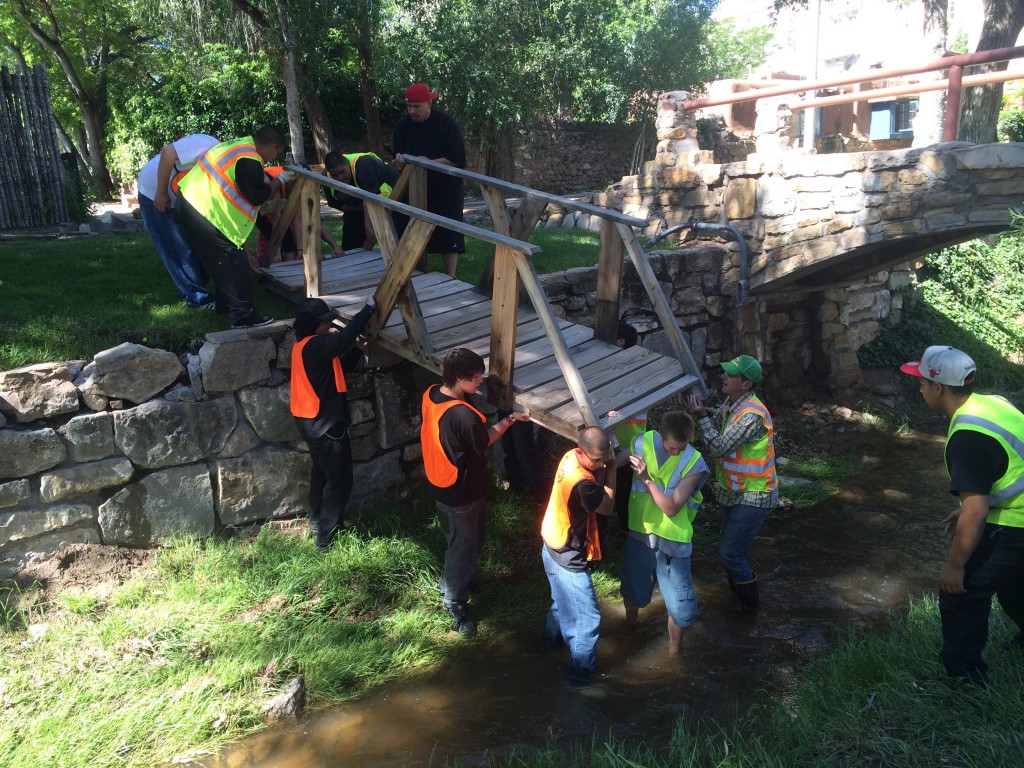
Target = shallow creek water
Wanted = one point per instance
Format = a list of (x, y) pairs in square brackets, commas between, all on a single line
[(847, 562)]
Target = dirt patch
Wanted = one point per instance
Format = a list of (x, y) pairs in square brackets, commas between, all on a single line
[(82, 568)]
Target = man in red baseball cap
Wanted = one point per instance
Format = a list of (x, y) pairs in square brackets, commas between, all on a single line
[(427, 132), (985, 460)]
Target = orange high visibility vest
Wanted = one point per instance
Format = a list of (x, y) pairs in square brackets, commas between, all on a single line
[(752, 467), (554, 529), (304, 401), (441, 473)]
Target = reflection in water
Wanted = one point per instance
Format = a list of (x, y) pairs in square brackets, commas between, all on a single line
[(845, 563)]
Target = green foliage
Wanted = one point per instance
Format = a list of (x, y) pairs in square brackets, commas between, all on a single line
[(971, 297), (707, 130), (737, 53), (1011, 125)]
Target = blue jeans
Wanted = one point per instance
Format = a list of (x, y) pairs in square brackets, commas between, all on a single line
[(464, 533), (740, 524), (189, 276), (641, 565), (995, 568), (574, 613)]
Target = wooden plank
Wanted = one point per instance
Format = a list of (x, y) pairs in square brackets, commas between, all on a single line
[(661, 305), (547, 369), (464, 303), (309, 202), (625, 389), (616, 367), (648, 401), (540, 302), (527, 331), (535, 351), (518, 190), (609, 284), (396, 286), (504, 318), (277, 233), (461, 335)]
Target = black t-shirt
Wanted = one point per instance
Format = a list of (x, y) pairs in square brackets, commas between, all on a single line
[(975, 461), (585, 497), (436, 137), (464, 439), (371, 174), (318, 360), (251, 181)]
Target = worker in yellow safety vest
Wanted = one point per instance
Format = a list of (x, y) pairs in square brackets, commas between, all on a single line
[(367, 172), (985, 460), (663, 502), (217, 205), (740, 437)]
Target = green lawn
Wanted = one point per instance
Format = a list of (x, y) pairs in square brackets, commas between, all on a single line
[(70, 297)]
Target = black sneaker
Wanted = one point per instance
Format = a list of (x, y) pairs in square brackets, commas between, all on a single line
[(254, 322)]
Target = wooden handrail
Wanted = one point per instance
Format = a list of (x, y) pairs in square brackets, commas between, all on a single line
[(519, 190), (418, 213)]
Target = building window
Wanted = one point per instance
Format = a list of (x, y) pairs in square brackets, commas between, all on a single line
[(903, 120)]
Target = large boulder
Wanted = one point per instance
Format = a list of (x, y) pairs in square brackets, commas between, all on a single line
[(28, 452), (267, 409), (38, 392), (173, 501), (373, 478), (261, 484), (133, 372), (84, 478), (162, 434), (89, 436), (231, 360)]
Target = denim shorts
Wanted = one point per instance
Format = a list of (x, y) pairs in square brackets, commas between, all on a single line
[(642, 566)]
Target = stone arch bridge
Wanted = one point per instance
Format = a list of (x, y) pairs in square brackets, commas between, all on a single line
[(812, 222)]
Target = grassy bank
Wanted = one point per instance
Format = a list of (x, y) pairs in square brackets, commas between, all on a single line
[(71, 297)]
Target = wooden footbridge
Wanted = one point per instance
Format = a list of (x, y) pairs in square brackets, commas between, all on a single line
[(569, 376)]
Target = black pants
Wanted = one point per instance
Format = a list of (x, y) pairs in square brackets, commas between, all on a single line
[(995, 568), (330, 484), (225, 263), (353, 229)]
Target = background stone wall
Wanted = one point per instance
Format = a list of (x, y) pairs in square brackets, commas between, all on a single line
[(572, 157)]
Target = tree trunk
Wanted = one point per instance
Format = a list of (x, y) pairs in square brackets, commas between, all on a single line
[(931, 105), (319, 122), (367, 85), (981, 104), (291, 84)]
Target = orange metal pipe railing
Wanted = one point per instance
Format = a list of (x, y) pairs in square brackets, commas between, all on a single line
[(954, 84)]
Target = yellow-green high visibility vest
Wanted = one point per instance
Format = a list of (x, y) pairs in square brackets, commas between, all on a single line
[(997, 417), (627, 431), (210, 188), (645, 516), (385, 189), (752, 466)]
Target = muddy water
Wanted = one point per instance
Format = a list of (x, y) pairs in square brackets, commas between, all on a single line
[(848, 562)]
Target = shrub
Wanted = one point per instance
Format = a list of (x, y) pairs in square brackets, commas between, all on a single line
[(1011, 125)]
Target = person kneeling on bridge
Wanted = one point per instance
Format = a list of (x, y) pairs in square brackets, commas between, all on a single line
[(584, 489)]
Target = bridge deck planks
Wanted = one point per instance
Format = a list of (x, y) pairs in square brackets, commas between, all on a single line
[(624, 380)]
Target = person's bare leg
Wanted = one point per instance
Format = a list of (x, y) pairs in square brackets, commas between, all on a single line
[(450, 262), (632, 612), (675, 636)]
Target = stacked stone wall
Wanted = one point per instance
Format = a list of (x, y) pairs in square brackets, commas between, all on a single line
[(137, 445)]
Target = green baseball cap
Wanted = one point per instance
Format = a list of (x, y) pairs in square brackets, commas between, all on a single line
[(745, 366)]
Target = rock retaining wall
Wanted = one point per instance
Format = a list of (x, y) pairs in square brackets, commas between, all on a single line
[(137, 445)]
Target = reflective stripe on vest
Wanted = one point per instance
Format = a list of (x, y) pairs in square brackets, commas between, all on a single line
[(305, 404), (210, 188), (627, 431), (751, 467), (385, 188), (555, 528), (998, 418), (645, 516), (441, 473)]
